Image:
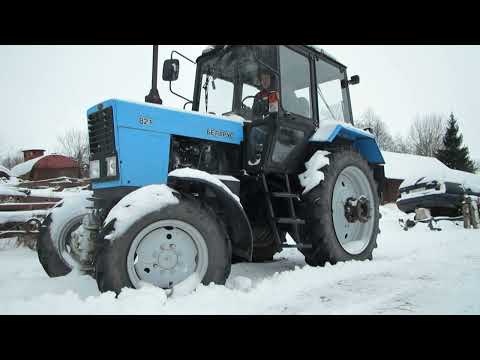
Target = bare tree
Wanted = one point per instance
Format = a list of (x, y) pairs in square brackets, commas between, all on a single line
[(402, 145), (426, 134), (11, 159), (370, 120), (74, 143)]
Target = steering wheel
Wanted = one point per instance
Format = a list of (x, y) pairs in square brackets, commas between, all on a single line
[(245, 107)]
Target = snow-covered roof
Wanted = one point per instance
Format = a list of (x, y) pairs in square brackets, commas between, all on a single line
[(25, 167), (411, 168), (403, 166), (5, 170)]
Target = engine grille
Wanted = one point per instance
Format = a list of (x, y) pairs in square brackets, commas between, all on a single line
[(101, 133)]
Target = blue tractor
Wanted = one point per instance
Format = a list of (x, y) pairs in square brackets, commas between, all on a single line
[(267, 151)]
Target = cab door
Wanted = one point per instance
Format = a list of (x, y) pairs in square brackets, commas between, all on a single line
[(295, 122)]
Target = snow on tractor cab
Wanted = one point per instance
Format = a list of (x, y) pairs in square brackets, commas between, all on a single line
[(269, 148)]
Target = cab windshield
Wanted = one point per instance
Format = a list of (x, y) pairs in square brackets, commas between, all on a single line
[(230, 80), (232, 83)]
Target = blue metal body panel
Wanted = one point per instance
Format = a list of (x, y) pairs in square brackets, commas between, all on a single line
[(364, 143), (142, 138), (143, 132)]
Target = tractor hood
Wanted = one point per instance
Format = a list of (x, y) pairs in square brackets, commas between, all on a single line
[(172, 121), (135, 138)]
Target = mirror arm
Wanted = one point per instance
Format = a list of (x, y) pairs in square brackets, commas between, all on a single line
[(180, 96), (170, 83), (176, 52)]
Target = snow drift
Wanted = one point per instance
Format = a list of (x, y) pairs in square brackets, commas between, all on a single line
[(413, 272)]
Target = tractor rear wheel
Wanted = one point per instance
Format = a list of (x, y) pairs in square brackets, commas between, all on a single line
[(342, 212), (168, 248)]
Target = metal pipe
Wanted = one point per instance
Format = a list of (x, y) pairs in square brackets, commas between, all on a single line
[(155, 67), (154, 97)]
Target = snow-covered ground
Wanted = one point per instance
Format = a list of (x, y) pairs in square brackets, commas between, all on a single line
[(413, 272)]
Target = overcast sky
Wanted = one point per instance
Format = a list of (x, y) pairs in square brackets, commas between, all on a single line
[(45, 90)]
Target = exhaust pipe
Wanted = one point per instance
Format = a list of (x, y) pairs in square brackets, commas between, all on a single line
[(153, 97)]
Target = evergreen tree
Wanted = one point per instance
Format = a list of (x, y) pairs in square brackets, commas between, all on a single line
[(453, 154)]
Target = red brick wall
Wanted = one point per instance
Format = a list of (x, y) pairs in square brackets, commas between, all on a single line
[(32, 154)]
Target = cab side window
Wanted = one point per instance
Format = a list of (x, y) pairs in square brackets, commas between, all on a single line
[(331, 105), (295, 90)]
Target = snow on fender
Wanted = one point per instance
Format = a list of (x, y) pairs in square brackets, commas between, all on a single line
[(136, 205), (214, 179), (313, 176), (238, 225)]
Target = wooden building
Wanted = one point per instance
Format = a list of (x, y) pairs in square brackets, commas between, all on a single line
[(38, 166)]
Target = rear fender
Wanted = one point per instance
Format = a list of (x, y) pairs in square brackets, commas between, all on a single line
[(362, 141)]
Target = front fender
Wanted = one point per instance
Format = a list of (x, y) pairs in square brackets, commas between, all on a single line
[(236, 221)]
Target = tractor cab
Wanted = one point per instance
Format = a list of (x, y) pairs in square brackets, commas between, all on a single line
[(281, 92)]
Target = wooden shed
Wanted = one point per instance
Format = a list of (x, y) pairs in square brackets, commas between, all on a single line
[(47, 167)]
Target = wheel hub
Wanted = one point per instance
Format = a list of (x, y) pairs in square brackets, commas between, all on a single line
[(167, 259), (357, 209)]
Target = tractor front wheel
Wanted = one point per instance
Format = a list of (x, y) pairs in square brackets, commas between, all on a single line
[(176, 246)]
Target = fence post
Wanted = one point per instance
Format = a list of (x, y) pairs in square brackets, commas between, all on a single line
[(466, 212), (474, 214)]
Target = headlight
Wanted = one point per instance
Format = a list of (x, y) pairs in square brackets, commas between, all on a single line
[(112, 166), (94, 169)]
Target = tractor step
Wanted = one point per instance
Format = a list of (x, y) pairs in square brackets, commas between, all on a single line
[(285, 195), (298, 246), (290, 221)]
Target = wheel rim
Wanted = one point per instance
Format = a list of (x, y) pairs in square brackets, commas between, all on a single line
[(166, 253), (69, 256), (354, 237)]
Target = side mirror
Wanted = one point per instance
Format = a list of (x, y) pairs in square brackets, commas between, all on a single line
[(171, 69), (354, 80)]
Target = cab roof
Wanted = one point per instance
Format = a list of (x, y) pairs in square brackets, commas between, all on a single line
[(211, 49)]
